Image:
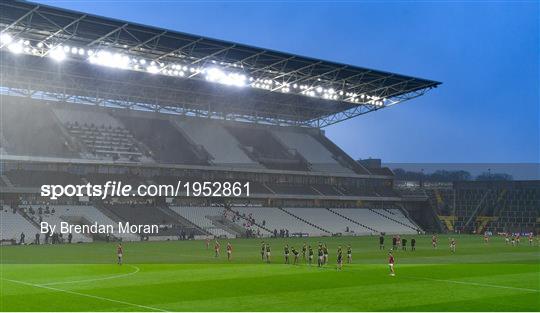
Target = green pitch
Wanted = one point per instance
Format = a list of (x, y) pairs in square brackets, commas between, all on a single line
[(185, 276)]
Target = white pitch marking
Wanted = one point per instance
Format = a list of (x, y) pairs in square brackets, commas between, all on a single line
[(477, 284), (85, 295), (94, 279)]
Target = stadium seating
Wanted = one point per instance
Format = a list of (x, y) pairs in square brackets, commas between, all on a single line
[(262, 146), (340, 155), (55, 215), (375, 220), (29, 178), (501, 207), (12, 224), (326, 190), (29, 128), (397, 216), (319, 158), (103, 178), (166, 143), (100, 135), (328, 221), (291, 189), (200, 216), (249, 223), (357, 191), (221, 145), (85, 214), (276, 219)]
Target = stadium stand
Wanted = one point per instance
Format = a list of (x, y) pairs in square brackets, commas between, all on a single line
[(397, 216), (276, 218), (205, 218), (36, 178), (31, 129), (224, 148), (375, 220), (103, 178), (328, 221), (166, 142), (55, 215), (249, 223), (81, 215), (319, 158), (291, 189), (496, 206), (12, 224), (262, 146), (341, 156), (327, 190), (139, 213), (99, 134)]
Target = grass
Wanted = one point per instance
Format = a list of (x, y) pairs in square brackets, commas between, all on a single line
[(184, 276)]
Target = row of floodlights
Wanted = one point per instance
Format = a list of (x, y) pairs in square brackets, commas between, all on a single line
[(212, 74)]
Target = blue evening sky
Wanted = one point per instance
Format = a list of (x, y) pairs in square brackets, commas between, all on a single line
[(486, 53)]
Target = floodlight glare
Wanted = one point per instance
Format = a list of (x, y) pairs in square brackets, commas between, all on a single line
[(152, 69), (230, 79), (16, 47), (58, 54), (6, 39)]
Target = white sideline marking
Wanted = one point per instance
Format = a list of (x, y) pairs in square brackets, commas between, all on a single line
[(94, 279), (477, 284), (46, 286), (85, 295)]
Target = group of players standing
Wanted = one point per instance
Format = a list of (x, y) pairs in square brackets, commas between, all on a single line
[(308, 254), (513, 239)]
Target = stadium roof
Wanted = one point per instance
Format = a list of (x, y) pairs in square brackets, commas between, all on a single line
[(111, 62)]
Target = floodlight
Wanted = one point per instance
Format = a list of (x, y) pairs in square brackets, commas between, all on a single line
[(152, 69), (16, 47), (58, 54), (6, 39)]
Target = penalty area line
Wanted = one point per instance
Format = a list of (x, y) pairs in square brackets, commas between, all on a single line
[(85, 295), (475, 284)]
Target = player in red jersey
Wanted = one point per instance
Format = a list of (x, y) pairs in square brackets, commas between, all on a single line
[(434, 241), (120, 253), (531, 238), (217, 249), (391, 263), (229, 251)]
